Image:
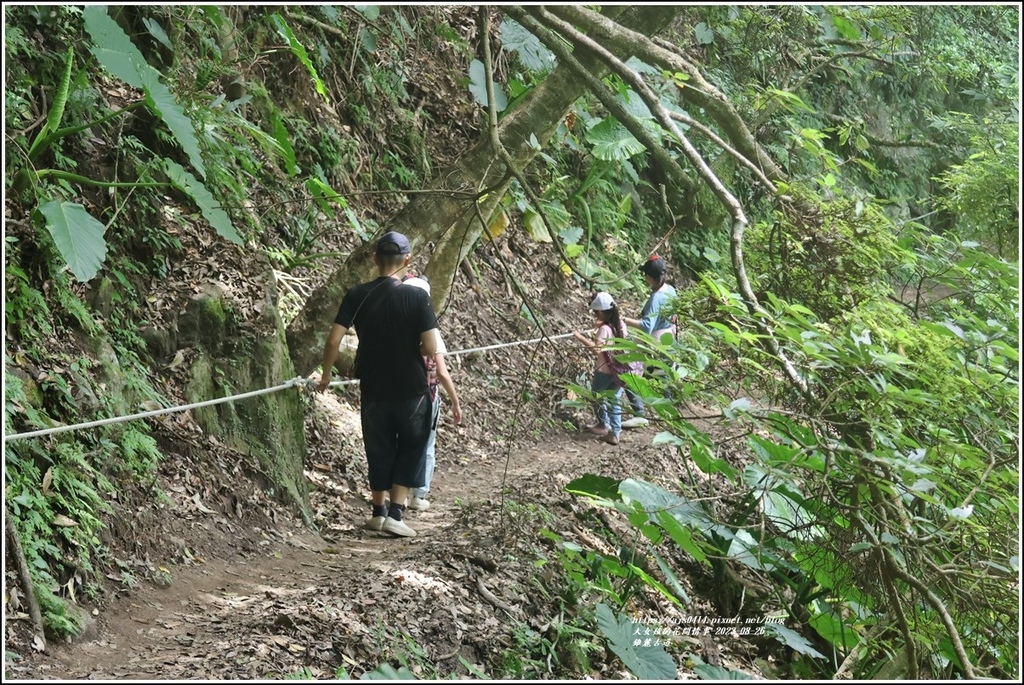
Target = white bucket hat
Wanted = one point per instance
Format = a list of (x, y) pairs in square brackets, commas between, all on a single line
[(602, 302), (417, 282)]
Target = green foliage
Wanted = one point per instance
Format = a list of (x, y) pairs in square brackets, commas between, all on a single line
[(116, 52), (645, 661), (56, 113), (527, 47), (78, 236), (612, 142), (984, 190), (478, 87), (827, 256), (210, 208), (140, 452), (717, 673), (896, 471), (299, 50)]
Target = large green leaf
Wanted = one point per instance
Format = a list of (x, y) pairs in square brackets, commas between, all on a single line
[(208, 205), (388, 672), (681, 535), (650, 662), (655, 499), (832, 627), (112, 47), (324, 195), (118, 55), (56, 113), (793, 640), (592, 485), (612, 142), (534, 225), (527, 46), (712, 672), (746, 550), (160, 100), (284, 143), (79, 237), (299, 50), (478, 87), (701, 456), (673, 579)]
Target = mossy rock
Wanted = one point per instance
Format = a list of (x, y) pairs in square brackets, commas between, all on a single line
[(269, 427), (206, 321)]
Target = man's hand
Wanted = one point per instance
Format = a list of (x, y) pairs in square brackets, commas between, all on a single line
[(325, 380)]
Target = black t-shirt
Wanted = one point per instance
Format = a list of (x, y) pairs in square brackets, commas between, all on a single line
[(389, 320)]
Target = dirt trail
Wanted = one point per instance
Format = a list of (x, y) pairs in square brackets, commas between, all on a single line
[(300, 600)]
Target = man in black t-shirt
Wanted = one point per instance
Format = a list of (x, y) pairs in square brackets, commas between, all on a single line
[(393, 323)]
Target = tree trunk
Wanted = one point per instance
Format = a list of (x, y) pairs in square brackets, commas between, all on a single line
[(427, 217), (455, 245)]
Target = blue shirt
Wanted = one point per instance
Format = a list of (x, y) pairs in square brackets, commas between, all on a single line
[(651, 317)]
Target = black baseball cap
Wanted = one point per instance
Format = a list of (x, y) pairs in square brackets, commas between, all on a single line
[(654, 266), (393, 242)]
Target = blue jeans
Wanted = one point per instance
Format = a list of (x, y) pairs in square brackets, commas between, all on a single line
[(608, 414), (429, 459), (634, 401)]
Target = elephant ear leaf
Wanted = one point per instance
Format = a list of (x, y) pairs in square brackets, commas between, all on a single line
[(181, 179), (644, 659), (79, 237), (118, 55), (613, 142)]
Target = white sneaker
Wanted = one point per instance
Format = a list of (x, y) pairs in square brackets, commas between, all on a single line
[(418, 504), (635, 422), (376, 523), (396, 527)]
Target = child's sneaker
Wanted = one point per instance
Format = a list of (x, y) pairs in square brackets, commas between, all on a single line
[(635, 422), (418, 504), (375, 523)]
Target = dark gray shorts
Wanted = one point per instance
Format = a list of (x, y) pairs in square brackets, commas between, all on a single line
[(395, 436)]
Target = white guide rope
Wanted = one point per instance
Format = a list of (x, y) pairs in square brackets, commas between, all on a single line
[(298, 380)]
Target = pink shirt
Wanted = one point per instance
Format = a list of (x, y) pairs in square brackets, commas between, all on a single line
[(601, 337)]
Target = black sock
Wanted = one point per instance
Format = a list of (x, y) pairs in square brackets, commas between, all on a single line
[(395, 511), (380, 510)]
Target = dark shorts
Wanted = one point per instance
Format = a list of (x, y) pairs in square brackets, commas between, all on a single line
[(395, 436)]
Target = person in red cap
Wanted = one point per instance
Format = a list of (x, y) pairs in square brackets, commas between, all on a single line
[(397, 327), (655, 320)]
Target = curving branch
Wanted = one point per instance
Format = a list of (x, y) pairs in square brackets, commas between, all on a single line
[(556, 45), (934, 600), (26, 579), (697, 90), (736, 154)]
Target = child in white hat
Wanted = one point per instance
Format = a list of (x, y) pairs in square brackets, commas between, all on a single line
[(437, 373), (609, 325)]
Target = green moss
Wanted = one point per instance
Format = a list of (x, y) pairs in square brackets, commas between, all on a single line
[(268, 427)]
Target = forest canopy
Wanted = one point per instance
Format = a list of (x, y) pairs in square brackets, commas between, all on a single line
[(837, 189)]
